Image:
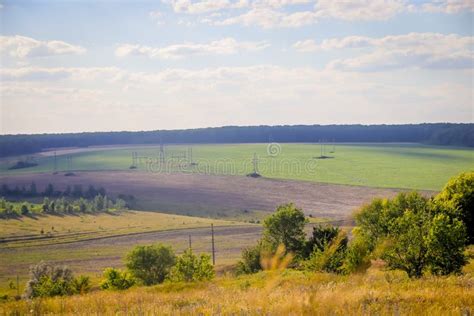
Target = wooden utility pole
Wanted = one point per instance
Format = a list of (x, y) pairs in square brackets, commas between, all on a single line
[(213, 247), (189, 239)]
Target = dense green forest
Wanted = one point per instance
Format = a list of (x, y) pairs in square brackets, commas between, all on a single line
[(433, 134)]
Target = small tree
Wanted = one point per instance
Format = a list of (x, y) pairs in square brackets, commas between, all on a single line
[(115, 279), (24, 209), (151, 264), (285, 226), (190, 267), (320, 238), (330, 257)]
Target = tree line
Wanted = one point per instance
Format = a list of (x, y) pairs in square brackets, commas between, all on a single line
[(62, 205), (435, 134), (31, 191)]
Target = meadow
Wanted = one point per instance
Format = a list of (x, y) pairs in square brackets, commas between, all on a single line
[(410, 166), (287, 292)]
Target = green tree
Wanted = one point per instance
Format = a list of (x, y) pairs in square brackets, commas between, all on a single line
[(115, 279), (151, 264), (457, 197), (320, 238), (285, 226), (329, 258), (190, 267), (445, 242), (24, 209), (33, 190)]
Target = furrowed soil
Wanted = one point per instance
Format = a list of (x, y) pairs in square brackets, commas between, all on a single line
[(228, 197)]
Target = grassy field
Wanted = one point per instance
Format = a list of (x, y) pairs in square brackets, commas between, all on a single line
[(274, 293), (89, 243), (385, 165)]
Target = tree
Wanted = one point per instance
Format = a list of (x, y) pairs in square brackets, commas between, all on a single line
[(405, 248), (445, 242), (457, 197), (33, 190), (151, 264), (285, 226), (49, 191), (115, 279), (45, 206), (190, 267), (24, 209)]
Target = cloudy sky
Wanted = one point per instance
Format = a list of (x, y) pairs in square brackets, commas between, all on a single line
[(70, 66)]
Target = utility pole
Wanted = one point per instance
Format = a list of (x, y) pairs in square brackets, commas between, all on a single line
[(213, 247), (189, 237), (255, 163), (55, 163)]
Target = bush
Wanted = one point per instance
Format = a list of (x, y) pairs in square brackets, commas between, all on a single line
[(115, 279), (190, 268), (151, 264), (286, 226), (82, 284), (331, 257), (320, 238), (358, 253), (251, 260), (49, 280)]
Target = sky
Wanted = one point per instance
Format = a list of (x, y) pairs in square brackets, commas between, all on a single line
[(81, 66)]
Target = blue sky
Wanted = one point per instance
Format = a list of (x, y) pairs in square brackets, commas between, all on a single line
[(71, 66)]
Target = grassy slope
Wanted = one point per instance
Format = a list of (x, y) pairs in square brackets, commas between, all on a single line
[(90, 256), (398, 166), (290, 292)]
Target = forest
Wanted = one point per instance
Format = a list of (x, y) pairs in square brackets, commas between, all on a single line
[(443, 134)]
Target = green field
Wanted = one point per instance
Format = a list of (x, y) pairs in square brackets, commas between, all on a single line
[(381, 165)]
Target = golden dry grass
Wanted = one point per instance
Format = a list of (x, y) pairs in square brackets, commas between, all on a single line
[(275, 293)]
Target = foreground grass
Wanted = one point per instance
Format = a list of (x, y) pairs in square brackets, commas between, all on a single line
[(388, 165), (290, 292)]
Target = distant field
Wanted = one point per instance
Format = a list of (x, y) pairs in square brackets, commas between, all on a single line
[(380, 165)]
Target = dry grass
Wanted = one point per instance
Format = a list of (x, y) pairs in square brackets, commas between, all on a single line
[(276, 293)]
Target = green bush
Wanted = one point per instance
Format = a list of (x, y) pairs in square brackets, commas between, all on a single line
[(331, 257), (190, 267), (81, 284), (151, 264), (115, 279), (49, 280), (250, 262), (320, 238)]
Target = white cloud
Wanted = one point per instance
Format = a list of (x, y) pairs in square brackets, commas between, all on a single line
[(58, 73), (24, 47), (419, 50), (260, 94), (204, 6), (448, 6), (360, 10), (224, 46)]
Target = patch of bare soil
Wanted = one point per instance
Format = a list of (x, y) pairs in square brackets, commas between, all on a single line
[(213, 195)]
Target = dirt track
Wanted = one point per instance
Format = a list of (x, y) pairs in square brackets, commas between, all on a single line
[(207, 195)]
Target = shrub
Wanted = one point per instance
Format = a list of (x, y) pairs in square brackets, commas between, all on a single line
[(190, 267), (82, 284), (251, 260), (151, 264), (285, 226), (331, 257), (320, 238), (358, 253), (115, 279), (49, 280)]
